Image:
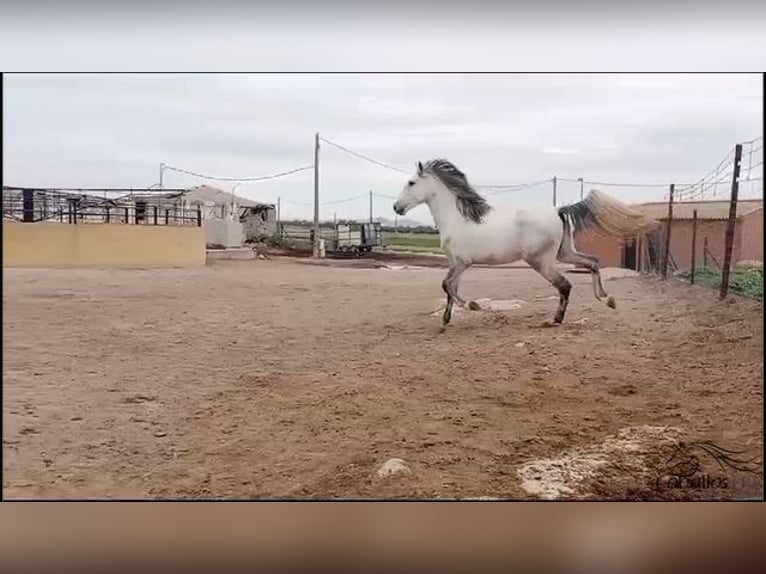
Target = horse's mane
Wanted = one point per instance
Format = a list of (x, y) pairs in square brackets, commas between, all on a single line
[(470, 204)]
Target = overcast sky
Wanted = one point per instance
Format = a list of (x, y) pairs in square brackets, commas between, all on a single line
[(115, 130)]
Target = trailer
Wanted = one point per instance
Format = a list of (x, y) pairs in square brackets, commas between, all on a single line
[(357, 238)]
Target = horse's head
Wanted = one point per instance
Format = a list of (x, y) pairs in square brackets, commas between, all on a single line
[(418, 189)]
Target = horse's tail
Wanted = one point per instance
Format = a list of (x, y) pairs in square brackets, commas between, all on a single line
[(605, 214)]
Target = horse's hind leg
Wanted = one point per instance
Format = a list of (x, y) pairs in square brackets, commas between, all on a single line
[(546, 266), (568, 254)]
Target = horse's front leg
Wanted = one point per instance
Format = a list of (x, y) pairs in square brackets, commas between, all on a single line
[(450, 286)]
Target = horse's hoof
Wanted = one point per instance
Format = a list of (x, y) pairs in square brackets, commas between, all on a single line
[(610, 303), (474, 306)]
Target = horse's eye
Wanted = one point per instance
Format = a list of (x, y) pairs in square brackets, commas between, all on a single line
[(410, 183)]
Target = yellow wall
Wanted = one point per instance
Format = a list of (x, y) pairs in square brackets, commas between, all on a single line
[(101, 245)]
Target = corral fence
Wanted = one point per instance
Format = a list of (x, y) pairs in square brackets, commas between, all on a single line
[(698, 214), (130, 207)]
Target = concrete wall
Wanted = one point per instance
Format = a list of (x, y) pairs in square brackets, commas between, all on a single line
[(748, 242), (101, 245), (681, 241), (751, 237), (223, 232), (607, 249)]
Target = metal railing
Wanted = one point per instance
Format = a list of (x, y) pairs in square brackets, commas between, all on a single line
[(34, 206)]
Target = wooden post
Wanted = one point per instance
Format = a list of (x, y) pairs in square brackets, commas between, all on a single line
[(155, 215), (694, 244), (107, 214), (704, 253), (199, 216), (554, 191), (639, 246), (666, 256), (732, 221), (167, 216), (127, 215)]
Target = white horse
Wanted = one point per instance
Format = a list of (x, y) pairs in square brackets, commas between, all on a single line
[(472, 231)]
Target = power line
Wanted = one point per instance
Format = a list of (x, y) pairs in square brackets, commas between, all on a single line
[(383, 195), (259, 178), (344, 199), (511, 186), (617, 184), (364, 157)]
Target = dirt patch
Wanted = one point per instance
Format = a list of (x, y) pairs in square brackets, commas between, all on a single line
[(260, 379)]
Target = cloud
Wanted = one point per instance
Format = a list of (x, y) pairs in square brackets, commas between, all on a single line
[(114, 130)]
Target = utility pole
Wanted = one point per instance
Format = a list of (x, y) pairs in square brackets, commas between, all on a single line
[(370, 206), (162, 172), (730, 224), (316, 195), (581, 185), (554, 191)]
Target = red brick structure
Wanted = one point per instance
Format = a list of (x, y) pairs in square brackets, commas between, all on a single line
[(712, 218)]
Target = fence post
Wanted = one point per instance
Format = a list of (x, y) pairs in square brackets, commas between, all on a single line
[(155, 215), (704, 253), (199, 216), (167, 216), (127, 215), (694, 244), (666, 256), (29, 205), (107, 214), (732, 220)]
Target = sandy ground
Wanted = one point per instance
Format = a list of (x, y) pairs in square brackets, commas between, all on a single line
[(278, 378)]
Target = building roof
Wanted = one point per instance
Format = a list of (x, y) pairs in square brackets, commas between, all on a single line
[(705, 209), (204, 193)]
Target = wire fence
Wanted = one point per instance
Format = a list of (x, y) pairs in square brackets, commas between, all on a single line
[(712, 230)]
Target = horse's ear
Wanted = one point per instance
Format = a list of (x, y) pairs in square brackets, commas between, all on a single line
[(420, 168)]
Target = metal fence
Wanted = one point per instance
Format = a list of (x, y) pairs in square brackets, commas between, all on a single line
[(29, 205)]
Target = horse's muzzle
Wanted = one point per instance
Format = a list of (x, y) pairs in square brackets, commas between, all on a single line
[(399, 209)]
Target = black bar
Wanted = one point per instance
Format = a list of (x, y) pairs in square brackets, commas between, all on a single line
[(29, 205), (199, 217), (107, 214), (127, 215), (155, 215), (167, 216)]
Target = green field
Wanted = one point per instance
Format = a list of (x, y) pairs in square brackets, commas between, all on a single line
[(748, 283), (412, 241)]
